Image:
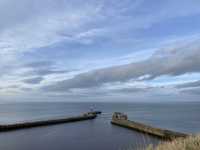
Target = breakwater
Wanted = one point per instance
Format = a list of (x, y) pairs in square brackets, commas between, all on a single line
[(122, 120), (86, 116)]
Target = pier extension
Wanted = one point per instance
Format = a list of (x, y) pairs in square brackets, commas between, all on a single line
[(121, 119), (86, 116)]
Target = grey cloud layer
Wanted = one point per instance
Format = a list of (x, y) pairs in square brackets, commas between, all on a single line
[(189, 85), (194, 91), (35, 80), (42, 68), (173, 61)]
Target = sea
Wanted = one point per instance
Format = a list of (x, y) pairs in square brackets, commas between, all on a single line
[(97, 134)]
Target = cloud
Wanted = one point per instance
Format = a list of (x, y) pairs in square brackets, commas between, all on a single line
[(192, 88), (43, 68), (48, 72), (29, 25), (177, 60), (39, 64), (189, 85), (41, 42), (35, 80), (52, 19), (131, 90), (192, 91)]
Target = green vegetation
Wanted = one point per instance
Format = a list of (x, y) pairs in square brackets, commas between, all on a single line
[(190, 143)]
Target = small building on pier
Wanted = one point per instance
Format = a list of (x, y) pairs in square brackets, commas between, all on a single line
[(119, 116)]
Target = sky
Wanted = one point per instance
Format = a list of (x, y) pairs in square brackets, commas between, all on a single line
[(100, 50)]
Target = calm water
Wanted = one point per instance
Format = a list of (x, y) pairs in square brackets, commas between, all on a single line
[(96, 134)]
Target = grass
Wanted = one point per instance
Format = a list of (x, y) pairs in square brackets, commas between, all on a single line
[(190, 143)]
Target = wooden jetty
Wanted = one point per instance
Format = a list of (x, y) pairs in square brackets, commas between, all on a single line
[(86, 116), (121, 119)]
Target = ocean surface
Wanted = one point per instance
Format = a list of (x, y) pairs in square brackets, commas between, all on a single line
[(97, 134)]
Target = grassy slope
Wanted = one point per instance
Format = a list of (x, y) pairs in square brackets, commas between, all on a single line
[(190, 143)]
